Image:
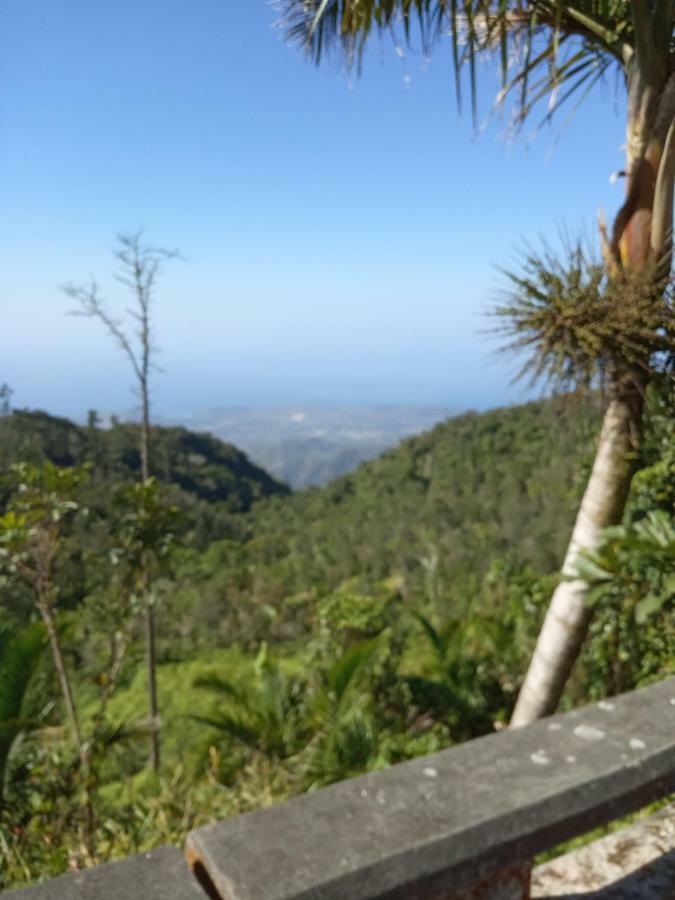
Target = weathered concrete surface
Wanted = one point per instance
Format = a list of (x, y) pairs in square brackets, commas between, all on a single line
[(159, 875), (431, 828), (636, 863)]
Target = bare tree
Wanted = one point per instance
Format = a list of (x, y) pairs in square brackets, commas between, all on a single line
[(140, 266)]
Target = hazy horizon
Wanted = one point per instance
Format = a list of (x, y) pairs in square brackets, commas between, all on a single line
[(177, 415)]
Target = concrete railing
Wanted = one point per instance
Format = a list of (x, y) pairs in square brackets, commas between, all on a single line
[(464, 823)]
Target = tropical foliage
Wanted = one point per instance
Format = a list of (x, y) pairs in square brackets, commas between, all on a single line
[(334, 631)]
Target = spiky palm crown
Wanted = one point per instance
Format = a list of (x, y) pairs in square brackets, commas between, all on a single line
[(581, 327)]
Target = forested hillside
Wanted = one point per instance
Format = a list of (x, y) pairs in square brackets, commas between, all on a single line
[(329, 632), (208, 477), (477, 494), (475, 487)]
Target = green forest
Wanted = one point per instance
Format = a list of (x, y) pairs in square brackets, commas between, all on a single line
[(301, 638)]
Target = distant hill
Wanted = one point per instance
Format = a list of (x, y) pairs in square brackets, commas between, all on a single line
[(200, 466), (310, 445), (441, 507)]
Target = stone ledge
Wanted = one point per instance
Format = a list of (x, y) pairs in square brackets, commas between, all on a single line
[(159, 875), (436, 826)]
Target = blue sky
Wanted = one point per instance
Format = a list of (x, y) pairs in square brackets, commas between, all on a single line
[(340, 236)]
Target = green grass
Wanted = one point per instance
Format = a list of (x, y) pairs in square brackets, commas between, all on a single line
[(183, 741)]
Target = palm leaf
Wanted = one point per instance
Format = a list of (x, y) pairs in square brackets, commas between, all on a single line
[(343, 673), (648, 606), (441, 640), (111, 734), (218, 685), (658, 528), (272, 693), (231, 725), (529, 36)]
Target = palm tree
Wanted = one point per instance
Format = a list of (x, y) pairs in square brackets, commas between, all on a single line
[(276, 714), (558, 49)]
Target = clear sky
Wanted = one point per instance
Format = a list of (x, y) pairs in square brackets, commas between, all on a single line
[(340, 237)]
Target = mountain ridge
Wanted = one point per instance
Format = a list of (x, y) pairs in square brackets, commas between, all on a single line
[(199, 465)]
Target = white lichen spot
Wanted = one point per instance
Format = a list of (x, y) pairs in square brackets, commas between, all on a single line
[(672, 701), (364, 795), (605, 705), (430, 772), (637, 744), (380, 798), (540, 758), (589, 733), (570, 759), (554, 726)]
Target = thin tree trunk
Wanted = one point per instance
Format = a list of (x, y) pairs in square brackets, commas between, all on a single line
[(569, 615), (59, 664), (150, 656), (82, 750), (151, 665), (145, 434)]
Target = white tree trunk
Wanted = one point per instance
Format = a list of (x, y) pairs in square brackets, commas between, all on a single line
[(569, 615)]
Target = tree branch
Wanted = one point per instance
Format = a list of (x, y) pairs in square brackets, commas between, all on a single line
[(92, 307)]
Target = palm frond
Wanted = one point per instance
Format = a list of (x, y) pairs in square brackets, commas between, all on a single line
[(272, 693), (258, 712), (534, 41), (637, 560), (218, 685), (343, 673), (232, 725), (111, 734), (439, 639)]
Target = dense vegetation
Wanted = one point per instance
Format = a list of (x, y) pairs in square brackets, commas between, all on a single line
[(207, 477), (303, 638)]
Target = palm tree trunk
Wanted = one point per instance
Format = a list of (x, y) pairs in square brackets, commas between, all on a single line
[(569, 615)]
